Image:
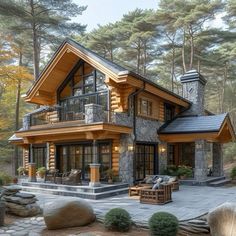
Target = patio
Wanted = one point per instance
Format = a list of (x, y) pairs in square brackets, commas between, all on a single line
[(188, 203)]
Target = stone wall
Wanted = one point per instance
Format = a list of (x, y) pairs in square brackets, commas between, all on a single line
[(200, 170), (217, 159), (126, 159), (146, 130), (162, 156)]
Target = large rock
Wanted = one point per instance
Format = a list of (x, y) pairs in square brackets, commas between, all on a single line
[(222, 220), (23, 210), (67, 213)]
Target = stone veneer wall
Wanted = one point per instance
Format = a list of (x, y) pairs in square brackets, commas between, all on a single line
[(217, 159)]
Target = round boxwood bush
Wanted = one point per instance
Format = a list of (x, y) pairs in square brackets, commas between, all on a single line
[(117, 219), (163, 224)]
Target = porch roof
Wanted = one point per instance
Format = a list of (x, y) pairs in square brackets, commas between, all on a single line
[(189, 128)]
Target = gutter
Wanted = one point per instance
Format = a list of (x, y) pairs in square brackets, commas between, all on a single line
[(133, 95)]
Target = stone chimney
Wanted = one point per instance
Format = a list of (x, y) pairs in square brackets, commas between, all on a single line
[(193, 90)]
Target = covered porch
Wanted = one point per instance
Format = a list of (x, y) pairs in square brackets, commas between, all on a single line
[(197, 142)]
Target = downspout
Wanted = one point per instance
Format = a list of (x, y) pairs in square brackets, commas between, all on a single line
[(133, 95)]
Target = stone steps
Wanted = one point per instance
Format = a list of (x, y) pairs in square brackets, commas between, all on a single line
[(193, 182), (219, 183), (76, 191)]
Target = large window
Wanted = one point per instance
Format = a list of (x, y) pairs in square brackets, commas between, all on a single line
[(145, 160), (80, 156), (84, 86), (39, 156), (145, 107)]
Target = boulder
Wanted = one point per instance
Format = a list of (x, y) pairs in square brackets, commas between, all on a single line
[(23, 210), (222, 220), (67, 213)]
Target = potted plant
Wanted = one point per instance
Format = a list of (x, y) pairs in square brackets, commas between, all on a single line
[(233, 174), (22, 171), (15, 180), (41, 172), (110, 175), (184, 172)]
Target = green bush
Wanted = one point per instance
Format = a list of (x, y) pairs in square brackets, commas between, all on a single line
[(5, 179), (184, 171), (233, 173), (117, 219), (163, 224), (170, 170)]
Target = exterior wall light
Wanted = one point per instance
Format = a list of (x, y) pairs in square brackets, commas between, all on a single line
[(130, 147), (116, 148), (162, 149)]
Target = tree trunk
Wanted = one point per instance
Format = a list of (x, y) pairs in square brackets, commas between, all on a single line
[(183, 53), (191, 49), (138, 57), (223, 87), (17, 118), (145, 59), (173, 68), (36, 51)]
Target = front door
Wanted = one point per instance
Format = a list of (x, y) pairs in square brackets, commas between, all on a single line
[(145, 160)]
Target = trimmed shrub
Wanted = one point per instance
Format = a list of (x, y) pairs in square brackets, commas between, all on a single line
[(117, 219), (233, 173), (163, 224), (5, 178)]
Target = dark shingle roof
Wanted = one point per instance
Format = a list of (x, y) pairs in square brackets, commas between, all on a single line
[(194, 124)]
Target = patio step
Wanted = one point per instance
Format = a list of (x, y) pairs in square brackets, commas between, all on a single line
[(93, 196), (220, 183), (85, 191), (193, 182)]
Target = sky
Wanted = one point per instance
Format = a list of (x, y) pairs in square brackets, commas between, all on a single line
[(106, 11)]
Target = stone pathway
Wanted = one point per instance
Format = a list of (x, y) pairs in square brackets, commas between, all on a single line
[(25, 227), (188, 203)]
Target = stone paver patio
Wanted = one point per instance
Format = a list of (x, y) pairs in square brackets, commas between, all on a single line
[(190, 202)]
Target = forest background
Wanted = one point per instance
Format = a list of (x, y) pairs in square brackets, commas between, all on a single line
[(160, 44)]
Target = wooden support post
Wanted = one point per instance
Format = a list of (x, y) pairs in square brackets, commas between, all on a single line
[(32, 172), (94, 168)]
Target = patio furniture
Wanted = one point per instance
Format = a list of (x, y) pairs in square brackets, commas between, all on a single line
[(173, 180), (50, 175), (135, 190), (72, 178), (157, 196)]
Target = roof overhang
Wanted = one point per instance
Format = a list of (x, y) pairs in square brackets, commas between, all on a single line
[(43, 91), (224, 135), (74, 132)]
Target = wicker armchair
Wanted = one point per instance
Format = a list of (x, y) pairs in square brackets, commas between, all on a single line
[(157, 196), (72, 178), (50, 175)]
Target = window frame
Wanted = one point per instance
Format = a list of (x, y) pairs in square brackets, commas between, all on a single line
[(149, 107)]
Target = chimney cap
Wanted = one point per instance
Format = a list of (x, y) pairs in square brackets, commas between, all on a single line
[(192, 75)]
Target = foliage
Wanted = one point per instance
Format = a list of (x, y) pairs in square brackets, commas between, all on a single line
[(163, 224), (171, 170), (184, 171), (22, 170), (117, 219), (110, 173), (41, 171), (5, 178), (233, 173)]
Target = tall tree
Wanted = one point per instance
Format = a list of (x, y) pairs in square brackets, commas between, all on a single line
[(46, 22)]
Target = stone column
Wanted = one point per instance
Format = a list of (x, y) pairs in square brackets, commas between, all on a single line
[(32, 172), (94, 168), (162, 155), (200, 170), (126, 160), (217, 159), (93, 113)]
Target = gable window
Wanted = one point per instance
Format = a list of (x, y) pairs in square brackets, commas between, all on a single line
[(145, 107), (84, 85)]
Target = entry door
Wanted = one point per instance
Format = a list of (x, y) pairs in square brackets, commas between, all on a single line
[(145, 160)]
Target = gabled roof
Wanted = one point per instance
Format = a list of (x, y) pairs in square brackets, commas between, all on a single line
[(72, 50), (216, 128), (194, 124)]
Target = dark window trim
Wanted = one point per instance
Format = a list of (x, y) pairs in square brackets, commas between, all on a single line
[(171, 108)]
